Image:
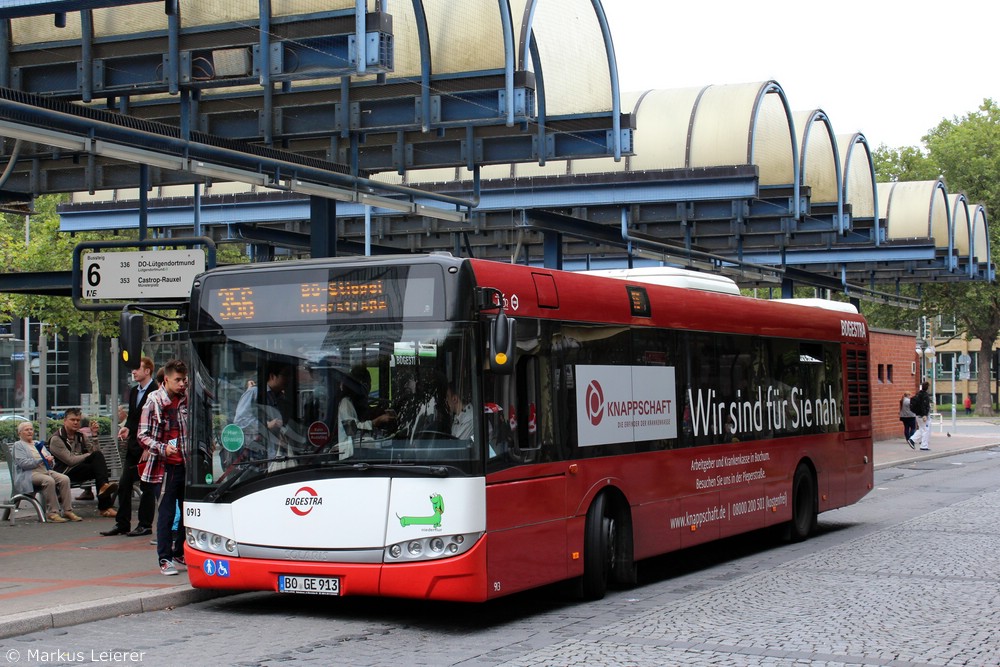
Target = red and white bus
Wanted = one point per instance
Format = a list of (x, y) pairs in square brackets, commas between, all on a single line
[(406, 437)]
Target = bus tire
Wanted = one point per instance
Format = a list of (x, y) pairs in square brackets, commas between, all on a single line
[(804, 506), (625, 572), (598, 549)]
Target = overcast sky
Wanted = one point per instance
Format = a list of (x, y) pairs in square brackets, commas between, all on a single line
[(891, 69)]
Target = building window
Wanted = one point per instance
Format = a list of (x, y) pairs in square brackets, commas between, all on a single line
[(888, 373), (945, 366), (881, 373), (946, 326)]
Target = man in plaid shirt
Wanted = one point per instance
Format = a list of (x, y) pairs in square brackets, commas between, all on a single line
[(163, 432)]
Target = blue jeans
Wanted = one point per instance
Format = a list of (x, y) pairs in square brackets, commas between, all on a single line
[(173, 492)]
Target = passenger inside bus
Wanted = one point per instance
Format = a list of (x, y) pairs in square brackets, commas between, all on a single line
[(262, 423), (353, 413)]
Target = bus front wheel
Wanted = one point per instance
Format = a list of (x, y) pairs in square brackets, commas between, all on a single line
[(804, 505), (599, 549)]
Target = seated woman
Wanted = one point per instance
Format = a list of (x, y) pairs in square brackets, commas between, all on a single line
[(33, 468)]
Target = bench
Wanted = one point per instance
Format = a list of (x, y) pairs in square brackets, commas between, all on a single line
[(11, 505)]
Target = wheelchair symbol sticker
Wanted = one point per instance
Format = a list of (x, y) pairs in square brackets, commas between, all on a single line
[(219, 568)]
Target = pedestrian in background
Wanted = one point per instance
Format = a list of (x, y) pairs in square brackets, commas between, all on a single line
[(968, 404), (163, 431), (144, 387), (921, 407), (908, 418)]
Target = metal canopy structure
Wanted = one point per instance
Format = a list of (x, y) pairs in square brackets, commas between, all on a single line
[(308, 96), (495, 132)]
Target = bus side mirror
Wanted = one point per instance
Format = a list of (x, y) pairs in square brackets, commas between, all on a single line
[(133, 330), (502, 344)]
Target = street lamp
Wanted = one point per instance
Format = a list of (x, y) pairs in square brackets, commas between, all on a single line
[(926, 352), (954, 368), (924, 349)]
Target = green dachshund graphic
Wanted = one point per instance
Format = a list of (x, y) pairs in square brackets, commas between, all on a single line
[(437, 506)]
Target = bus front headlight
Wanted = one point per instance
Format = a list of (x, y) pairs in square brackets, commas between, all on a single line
[(203, 540), (429, 548)]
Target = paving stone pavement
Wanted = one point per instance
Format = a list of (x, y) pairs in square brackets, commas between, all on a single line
[(951, 566)]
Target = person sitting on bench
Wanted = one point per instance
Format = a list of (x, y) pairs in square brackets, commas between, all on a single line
[(32, 466), (81, 460)]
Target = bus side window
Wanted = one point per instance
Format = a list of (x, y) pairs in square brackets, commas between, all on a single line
[(512, 415), (527, 407)]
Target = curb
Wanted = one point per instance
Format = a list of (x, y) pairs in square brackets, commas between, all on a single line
[(100, 610), (934, 454)]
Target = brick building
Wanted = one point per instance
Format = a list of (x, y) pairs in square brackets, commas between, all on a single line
[(894, 369)]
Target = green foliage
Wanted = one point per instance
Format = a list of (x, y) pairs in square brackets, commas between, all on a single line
[(8, 430), (966, 152), (231, 253), (903, 164), (49, 250), (883, 316)]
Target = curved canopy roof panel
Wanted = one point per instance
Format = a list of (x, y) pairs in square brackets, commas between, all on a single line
[(571, 62), (744, 124), (980, 234), (820, 166), (916, 209), (859, 174), (961, 224)]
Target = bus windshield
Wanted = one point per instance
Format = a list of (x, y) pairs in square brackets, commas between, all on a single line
[(269, 402)]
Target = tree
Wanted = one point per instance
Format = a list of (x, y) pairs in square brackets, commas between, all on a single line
[(51, 250), (903, 164), (966, 152)]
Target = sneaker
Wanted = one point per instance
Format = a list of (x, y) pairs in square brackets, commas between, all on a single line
[(55, 518), (925, 449), (108, 489), (179, 562), (167, 568), (87, 494), (72, 516), (911, 443)]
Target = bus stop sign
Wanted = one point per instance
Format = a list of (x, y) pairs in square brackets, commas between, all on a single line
[(140, 274)]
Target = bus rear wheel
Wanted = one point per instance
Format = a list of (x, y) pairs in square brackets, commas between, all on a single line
[(600, 542), (804, 505)]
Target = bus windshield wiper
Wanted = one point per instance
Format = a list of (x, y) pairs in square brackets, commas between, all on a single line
[(435, 471), (243, 467), (229, 482)]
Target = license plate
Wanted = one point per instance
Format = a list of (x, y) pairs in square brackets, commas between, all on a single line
[(291, 583)]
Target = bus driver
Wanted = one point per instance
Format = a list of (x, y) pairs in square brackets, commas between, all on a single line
[(354, 389)]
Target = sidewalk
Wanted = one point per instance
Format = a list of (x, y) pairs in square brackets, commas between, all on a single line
[(969, 435), (55, 575)]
